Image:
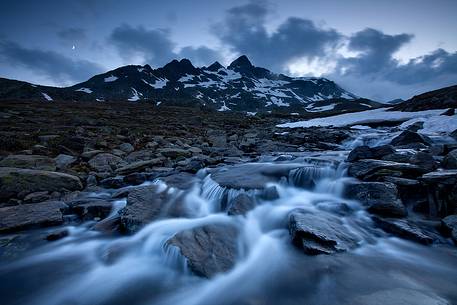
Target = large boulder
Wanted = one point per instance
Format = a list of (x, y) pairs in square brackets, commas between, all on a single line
[(25, 181), (28, 216), (410, 137), (372, 169), (29, 162), (217, 138), (442, 191), (90, 208), (450, 161), (209, 250), (105, 162), (315, 234), (379, 197)]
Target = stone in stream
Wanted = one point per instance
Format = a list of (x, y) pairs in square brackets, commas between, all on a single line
[(240, 205), (370, 168), (174, 153), (379, 197), (405, 229), (410, 137), (251, 176), (25, 181), (449, 225), (26, 216), (29, 162), (146, 204), (139, 166), (209, 249), (315, 234)]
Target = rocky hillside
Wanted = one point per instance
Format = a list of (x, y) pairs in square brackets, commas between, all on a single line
[(437, 99), (239, 87)]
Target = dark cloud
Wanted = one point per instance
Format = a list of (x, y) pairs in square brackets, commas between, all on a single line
[(72, 35), (376, 50), (154, 45), (376, 68), (53, 65), (244, 32), (200, 56)]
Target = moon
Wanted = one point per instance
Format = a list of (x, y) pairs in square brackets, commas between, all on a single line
[(73, 47)]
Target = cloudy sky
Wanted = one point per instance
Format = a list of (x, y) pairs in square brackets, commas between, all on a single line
[(377, 49)]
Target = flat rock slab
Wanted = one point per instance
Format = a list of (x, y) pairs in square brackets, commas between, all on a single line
[(209, 250), (251, 175), (316, 234), (364, 168), (138, 166), (29, 162), (27, 216), (16, 180), (405, 229), (448, 177)]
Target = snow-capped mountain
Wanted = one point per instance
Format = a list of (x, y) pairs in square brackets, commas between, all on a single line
[(240, 86)]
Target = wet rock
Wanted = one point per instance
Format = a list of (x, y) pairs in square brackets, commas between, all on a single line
[(56, 235), (90, 208), (29, 162), (28, 216), (140, 155), (415, 126), (365, 152), (450, 161), (449, 225), (217, 138), (105, 162), (126, 147), (240, 205), (405, 229), (449, 112), (37, 197), (365, 168), (144, 204), (108, 225), (379, 198), (136, 178), (209, 250), (251, 176), (410, 137), (64, 161), (15, 180), (139, 166), (360, 152), (269, 193), (112, 182), (424, 160), (174, 153), (454, 134), (316, 234), (89, 154), (179, 180)]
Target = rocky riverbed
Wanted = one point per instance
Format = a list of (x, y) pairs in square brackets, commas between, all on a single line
[(108, 204)]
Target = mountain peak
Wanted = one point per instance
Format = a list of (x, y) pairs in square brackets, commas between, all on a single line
[(241, 62), (180, 67), (214, 66)]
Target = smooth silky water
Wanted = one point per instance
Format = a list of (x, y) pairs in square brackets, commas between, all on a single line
[(89, 268)]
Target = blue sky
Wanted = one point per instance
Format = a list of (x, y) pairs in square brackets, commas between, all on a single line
[(377, 49)]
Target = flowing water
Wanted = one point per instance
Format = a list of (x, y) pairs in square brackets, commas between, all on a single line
[(89, 268)]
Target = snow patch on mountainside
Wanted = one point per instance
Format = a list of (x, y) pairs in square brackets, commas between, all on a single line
[(47, 97), (86, 90), (111, 78), (136, 95)]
